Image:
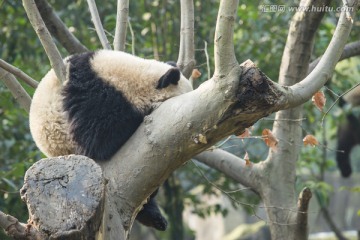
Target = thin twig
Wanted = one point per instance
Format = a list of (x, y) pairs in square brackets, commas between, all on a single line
[(132, 37), (251, 206), (18, 73), (337, 99), (207, 60), (46, 40), (97, 23), (121, 24)]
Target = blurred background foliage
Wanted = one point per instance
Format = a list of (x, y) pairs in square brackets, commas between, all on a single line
[(259, 36)]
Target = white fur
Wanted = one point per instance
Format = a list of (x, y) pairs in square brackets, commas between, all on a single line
[(48, 124), (135, 77)]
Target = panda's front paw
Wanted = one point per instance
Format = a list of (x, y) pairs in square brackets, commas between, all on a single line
[(160, 223), (151, 216)]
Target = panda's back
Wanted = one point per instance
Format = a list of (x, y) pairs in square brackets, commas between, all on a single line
[(97, 111)]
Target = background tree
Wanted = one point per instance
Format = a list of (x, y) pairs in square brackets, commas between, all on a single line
[(160, 46)]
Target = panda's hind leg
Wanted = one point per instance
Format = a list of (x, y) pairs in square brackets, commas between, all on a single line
[(151, 216)]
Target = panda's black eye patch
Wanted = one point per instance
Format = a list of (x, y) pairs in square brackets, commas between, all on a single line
[(172, 76)]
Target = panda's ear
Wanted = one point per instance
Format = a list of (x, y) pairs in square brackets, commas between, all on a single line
[(172, 76)]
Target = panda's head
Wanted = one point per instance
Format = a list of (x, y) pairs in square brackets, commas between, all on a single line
[(142, 81)]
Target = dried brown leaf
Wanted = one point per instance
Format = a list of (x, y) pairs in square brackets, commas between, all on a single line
[(319, 100), (245, 134), (195, 74), (269, 139), (310, 140), (247, 160)]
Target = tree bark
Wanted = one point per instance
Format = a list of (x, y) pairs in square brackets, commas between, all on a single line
[(64, 200)]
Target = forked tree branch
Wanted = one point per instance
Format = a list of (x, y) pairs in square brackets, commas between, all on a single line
[(18, 73), (224, 53), (186, 59), (305, 89), (97, 23), (18, 92), (58, 29), (121, 24), (237, 100), (51, 50)]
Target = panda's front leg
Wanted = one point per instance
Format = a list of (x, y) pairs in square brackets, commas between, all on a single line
[(151, 216)]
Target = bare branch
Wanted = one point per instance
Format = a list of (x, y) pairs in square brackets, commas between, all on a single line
[(132, 38), (302, 228), (186, 60), (350, 50), (50, 48), (18, 92), (121, 24), (207, 60), (17, 230), (224, 53), (18, 73), (58, 29), (303, 90), (97, 23), (232, 166)]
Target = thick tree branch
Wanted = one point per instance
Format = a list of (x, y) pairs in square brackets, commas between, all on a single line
[(350, 50), (224, 53), (232, 166), (186, 60), (303, 90), (58, 29), (121, 24), (97, 23), (237, 101), (17, 230), (51, 50), (76, 197), (18, 73), (18, 92), (279, 173)]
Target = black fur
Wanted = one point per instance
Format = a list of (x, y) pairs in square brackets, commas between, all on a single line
[(171, 63), (172, 76), (348, 137), (151, 216), (101, 118)]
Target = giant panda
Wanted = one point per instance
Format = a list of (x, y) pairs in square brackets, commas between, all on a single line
[(348, 133), (102, 102)]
